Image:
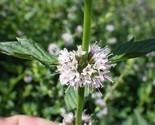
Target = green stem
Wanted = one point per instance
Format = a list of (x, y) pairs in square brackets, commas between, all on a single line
[(86, 26), (80, 105), (85, 46)]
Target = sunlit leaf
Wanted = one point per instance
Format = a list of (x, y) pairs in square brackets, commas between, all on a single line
[(27, 49)]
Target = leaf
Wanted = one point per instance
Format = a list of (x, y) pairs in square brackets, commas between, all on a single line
[(27, 49), (132, 49), (139, 119), (71, 97), (128, 121), (135, 119)]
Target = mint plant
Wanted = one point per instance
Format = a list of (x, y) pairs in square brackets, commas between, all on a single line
[(88, 67)]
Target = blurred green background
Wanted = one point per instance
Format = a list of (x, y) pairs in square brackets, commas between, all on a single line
[(27, 87)]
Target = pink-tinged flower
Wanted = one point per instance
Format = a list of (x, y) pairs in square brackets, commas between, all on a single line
[(93, 74)]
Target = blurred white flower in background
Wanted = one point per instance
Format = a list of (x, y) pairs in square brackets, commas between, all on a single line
[(67, 38), (103, 112), (62, 111), (69, 119), (144, 78), (74, 8), (96, 95), (137, 28), (71, 16), (19, 33), (110, 28), (99, 102), (150, 65), (152, 54), (28, 78), (53, 49), (79, 30), (112, 40), (92, 74), (86, 119)]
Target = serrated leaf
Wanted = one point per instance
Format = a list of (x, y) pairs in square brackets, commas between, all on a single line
[(27, 49), (132, 49)]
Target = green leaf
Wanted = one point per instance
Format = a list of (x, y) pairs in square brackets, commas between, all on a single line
[(132, 49), (71, 97), (139, 118), (135, 119), (128, 121), (27, 49)]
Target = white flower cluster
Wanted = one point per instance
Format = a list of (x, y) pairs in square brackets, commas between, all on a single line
[(93, 74), (69, 118)]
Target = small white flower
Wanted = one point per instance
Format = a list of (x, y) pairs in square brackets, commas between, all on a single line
[(88, 70), (67, 37), (144, 78), (86, 118), (137, 28), (79, 30), (110, 28), (79, 52), (103, 112), (53, 49), (152, 54), (68, 118), (28, 78), (100, 102), (71, 16), (96, 95), (112, 40), (74, 8), (94, 72), (62, 111)]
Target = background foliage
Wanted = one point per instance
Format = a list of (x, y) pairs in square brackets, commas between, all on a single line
[(27, 87)]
